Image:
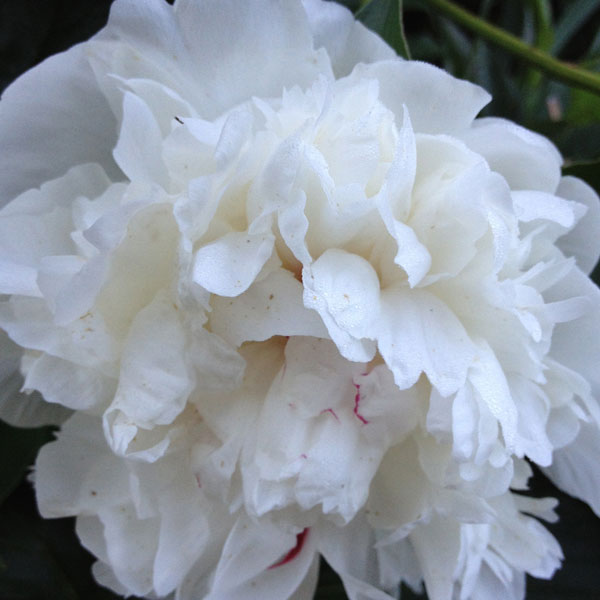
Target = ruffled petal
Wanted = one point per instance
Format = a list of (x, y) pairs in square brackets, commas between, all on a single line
[(311, 446)]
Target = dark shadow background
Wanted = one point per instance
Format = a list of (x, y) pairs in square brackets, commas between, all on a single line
[(42, 559)]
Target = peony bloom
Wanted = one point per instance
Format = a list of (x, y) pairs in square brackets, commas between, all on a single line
[(288, 297)]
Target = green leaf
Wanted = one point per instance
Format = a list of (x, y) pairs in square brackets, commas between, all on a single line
[(385, 17), (575, 15), (18, 447), (584, 108)]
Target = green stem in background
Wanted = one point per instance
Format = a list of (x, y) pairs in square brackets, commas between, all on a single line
[(554, 68), (405, 45)]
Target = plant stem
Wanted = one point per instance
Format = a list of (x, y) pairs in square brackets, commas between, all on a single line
[(554, 68)]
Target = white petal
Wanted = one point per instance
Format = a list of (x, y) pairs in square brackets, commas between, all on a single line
[(219, 368), (272, 306), (532, 205), (16, 408), (526, 159), (54, 105), (154, 382), (574, 469), (142, 242), (436, 544), (184, 528), (229, 265), (38, 223), (102, 573), (182, 47), (436, 101), (412, 256), (27, 410), (250, 549), (164, 103), (488, 379), (138, 151), (347, 41), (575, 343), (278, 34), (344, 289), (350, 552), (77, 473), (309, 448), (308, 587), (131, 546), (73, 386), (582, 241), (387, 413), (280, 582), (84, 342), (419, 333), (401, 494)]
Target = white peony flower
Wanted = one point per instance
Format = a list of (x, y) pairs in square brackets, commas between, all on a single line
[(288, 297)]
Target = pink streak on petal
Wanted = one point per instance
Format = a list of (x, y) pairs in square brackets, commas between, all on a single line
[(330, 410), (300, 539), (356, 404)]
